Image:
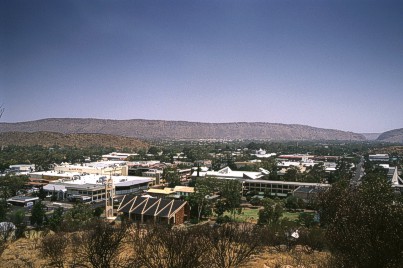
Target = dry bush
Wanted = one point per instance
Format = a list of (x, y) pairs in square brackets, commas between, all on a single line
[(232, 244), (53, 248), (162, 246), (300, 259), (7, 234), (229, 245), (100, 246)]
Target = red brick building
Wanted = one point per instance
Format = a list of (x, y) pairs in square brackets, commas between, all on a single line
[(154, 210)]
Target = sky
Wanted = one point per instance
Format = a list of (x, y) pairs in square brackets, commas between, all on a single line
[(328, 64)]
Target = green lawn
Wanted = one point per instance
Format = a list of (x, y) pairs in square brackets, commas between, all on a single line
[(293, 216), (252, 215), (247, 215)]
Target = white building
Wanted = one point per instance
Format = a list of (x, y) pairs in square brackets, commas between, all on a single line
[(379, 157), (22, 169), (117, 156), (92, 187), (263, 154), (227, 173), (97, 168)]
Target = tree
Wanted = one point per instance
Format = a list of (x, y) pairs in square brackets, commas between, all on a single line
[(171, 176), (38, 214), (3, 210), (231, 195), (171, 247), (41, 193), (78, 217), (153, 150), (17, 217), (220, 207), (291, 202), (203, 188), (292, 174), (11, 185), (306, 219), (7, 232), (364, 224), (55, 221), (101, 245), (232, 244), (53, 248), (98, 212), (315, 174), (271, 212), (343, 171)]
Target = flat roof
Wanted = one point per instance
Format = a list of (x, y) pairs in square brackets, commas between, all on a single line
[(56, 187), (133, 182), (161, 191), (289, 183), (186, 189), (86, 186), (23, 198)]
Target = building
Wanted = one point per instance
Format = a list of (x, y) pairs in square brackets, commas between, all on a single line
[(393, 176), (154, 210), (262, 154), (96, 168), (176, 192), (227, 173), (139, 167), (161, 193), (378, 157), (277, 188), (255, 182), (22, 169), (307, 193), (117, 156), (49, 176), (92, 187), (23, 201), (296, 157), (85, 192)]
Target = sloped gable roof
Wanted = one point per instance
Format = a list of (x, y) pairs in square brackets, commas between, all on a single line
[(150, 206)]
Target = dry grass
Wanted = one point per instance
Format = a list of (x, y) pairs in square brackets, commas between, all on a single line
[(22, 253), (272, 258), (25, 253)]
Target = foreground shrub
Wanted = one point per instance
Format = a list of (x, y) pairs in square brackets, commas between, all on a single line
[(364, 224)]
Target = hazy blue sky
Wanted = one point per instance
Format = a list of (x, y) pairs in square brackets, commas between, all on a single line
[(331, 64)]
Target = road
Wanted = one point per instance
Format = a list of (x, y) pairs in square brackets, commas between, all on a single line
[(359, 172)]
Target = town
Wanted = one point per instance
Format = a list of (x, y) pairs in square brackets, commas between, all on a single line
[(201, 134), (285, 194)]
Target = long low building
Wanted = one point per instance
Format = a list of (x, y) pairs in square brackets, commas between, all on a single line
[(23, 201), (92, 187), (252, 181), (177, 192), (227, 173), (278, 188)]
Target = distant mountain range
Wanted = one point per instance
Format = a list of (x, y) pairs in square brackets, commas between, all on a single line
[(371, 136), (395, 135), (79, 140), (159, 129)]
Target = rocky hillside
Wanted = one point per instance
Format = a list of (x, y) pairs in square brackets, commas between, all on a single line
[(395, 135), (80, 140), (158, 129)]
